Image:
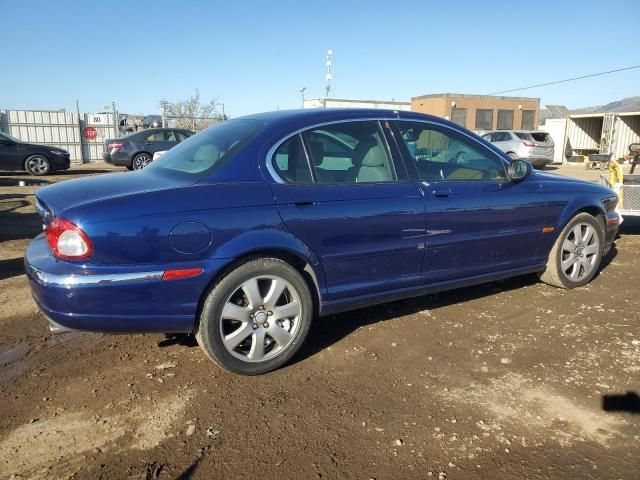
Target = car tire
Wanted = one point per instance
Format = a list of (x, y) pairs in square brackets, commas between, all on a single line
[(244, 328), (141, 160), (37, 165), (576, 254), (129, 167)]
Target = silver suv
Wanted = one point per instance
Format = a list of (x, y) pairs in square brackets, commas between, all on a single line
[(522, 144)]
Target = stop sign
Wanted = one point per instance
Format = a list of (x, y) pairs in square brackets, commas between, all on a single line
[(90, 133)]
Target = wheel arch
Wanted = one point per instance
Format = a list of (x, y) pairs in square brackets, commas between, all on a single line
[(295, 259), (590, 208)]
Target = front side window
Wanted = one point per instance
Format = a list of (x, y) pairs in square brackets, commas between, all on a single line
[(349, 152), (209, 149), (505, 119), (443, 154)]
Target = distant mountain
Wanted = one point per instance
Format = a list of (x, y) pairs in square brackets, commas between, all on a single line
[(631, 104)]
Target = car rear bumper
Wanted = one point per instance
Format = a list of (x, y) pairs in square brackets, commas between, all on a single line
[(117, 158), (538, 161), (114, 299)]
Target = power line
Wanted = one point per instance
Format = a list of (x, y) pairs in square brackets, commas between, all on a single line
[(565, 80)]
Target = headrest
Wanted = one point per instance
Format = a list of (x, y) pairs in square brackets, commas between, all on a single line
[(375, 157), (362, 149), (207, 153), (316, 150)]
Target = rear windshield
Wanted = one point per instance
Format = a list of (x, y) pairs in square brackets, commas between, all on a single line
[(210, 149), (524, 135), (541, 136)]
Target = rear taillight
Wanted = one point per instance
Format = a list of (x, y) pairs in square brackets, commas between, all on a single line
[(115, 146), (528, 144), (67, 241)]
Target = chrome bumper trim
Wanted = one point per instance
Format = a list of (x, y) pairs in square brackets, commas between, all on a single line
[(98, 279), (57, 328)]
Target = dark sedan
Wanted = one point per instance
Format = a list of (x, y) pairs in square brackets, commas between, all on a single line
[(16, 155), (249, 229), (135, 151)]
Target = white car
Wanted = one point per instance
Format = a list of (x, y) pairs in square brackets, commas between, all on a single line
[(157, 155)]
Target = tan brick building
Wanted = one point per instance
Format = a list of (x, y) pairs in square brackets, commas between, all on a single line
[(481, 112)]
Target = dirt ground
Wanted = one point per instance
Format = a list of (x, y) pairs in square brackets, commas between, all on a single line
[(513, 379)]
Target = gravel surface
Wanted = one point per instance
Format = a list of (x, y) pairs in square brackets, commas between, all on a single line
[(512, 379)]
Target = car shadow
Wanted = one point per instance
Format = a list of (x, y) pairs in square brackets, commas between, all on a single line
[(327, 331), (19, 225), (11, 268), (628, 402), (22, 182)]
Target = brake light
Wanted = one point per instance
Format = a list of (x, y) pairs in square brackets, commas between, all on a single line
[(528, 144), (67, 241), (115, 146)]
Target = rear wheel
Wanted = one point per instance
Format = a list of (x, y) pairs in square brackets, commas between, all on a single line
[(256, 318), (576, 255), (140, 161), (37, 165)]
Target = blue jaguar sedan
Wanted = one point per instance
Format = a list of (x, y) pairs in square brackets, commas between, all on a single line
[(245, 232)]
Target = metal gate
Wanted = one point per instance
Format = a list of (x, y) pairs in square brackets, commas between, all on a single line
[(71, 131)]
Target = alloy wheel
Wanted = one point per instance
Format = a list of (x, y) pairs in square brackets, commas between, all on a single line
[(260, 318), (38, 165), (580, 250)]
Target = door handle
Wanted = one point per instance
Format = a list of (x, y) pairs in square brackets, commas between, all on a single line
[(442, 193), (304, 204)]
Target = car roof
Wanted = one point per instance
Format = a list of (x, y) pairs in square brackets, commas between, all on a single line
[(320, 115)]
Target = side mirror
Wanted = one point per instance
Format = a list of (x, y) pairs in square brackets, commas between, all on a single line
[(519, 170)]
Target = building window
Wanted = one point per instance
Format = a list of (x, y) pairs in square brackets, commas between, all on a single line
[(459, 116), (505, 119), (484, 119), (528, 119)]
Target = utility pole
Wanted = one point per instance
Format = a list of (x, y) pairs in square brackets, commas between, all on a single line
[(302, 94), (327, 92), (163, 104)]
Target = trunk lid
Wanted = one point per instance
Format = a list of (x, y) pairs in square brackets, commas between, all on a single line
[(54, 199)]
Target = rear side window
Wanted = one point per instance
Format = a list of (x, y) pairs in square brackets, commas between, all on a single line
[(349, 152), (159, 136), (209, 149), (290, 161)]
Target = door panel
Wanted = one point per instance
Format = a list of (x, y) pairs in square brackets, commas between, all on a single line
[(478, 221), (340, 195), (10, 157), (369, 237), (481, 227)]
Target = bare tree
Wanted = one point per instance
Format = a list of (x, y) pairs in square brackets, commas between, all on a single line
[(192, 113)]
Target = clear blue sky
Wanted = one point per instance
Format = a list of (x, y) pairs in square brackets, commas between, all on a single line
[(255, 55)]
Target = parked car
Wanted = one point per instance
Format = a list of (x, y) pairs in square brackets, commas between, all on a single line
[(16, 155), (152, 121), (135, 151), (157, 155), (247, 230), (522, 144)]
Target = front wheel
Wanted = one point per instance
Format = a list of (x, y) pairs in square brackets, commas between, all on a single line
[(576, 255), (256, 318), (37, 165)]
